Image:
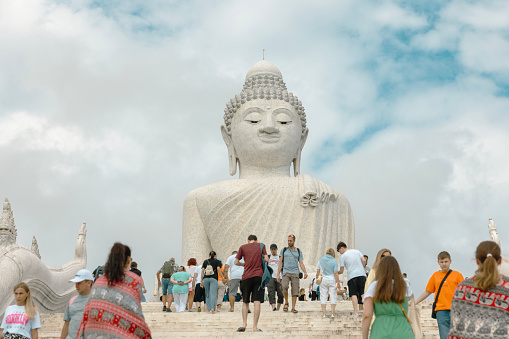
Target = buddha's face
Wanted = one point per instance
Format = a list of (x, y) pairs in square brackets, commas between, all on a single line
[(266, 133)]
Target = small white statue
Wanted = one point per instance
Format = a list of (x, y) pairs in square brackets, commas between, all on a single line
[(49, 286), (504, 266), (493, 231), (265, 131)]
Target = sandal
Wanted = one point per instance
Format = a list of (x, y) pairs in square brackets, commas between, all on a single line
[(241, 329), (285, 308), (295, 311)]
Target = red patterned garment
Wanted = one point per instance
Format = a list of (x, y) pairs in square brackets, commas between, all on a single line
[(480, 314), (115, 311)]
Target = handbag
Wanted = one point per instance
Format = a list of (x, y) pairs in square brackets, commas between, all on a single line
[(433, 313), (319, 279)]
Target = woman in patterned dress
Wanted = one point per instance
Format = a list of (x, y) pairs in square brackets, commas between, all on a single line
[(114, 309), (480, 307)]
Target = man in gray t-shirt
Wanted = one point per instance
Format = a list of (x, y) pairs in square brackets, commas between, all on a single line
[(290, 260), (74, 310)]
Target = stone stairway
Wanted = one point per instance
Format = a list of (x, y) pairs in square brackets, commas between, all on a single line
[(305, 324)]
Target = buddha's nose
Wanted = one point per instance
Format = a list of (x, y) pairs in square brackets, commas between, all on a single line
[(269, 126)]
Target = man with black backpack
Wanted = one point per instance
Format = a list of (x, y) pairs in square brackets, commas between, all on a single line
[(291, 259), (251, 286), (167, 271)]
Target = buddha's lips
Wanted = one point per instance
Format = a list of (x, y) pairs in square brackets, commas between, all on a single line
[(269, 138)]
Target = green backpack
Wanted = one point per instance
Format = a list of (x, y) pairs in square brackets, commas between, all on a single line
[(167, 269)]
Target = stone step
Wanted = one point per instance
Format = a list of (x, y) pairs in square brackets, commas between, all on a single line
[(305, 324)]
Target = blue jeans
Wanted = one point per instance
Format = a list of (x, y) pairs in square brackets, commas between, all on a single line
[(444, 322), (210, 285)]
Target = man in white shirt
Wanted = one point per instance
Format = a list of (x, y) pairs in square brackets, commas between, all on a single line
[(274, 287), (234, 273), (352, 260)]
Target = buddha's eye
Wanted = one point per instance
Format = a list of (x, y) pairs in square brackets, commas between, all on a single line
[(283, 118), (253, 118)]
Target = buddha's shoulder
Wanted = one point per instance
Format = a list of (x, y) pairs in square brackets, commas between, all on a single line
[(220, 189)]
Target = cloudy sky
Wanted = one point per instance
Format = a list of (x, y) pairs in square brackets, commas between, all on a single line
[(110, 112)]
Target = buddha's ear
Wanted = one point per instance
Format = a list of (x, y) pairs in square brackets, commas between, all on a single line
[(232, 155), (296, 160)]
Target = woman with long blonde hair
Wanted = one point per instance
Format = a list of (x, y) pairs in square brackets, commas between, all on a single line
[(372, 274), (480, 306), (22, 320), (387, 298)]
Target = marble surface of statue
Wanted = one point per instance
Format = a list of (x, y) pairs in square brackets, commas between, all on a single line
[(265, 131), (49, 286)]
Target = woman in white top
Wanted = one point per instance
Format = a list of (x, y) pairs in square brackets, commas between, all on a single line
[(22, 320), (191, 268), (329, 286)]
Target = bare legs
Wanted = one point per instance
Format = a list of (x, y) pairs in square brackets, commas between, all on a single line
[(355, 304), (231, 298), (245, 309)]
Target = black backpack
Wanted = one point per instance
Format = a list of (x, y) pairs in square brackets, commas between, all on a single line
[(98, 272)]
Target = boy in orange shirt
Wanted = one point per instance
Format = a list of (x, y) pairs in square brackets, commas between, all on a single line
[(443, 304)]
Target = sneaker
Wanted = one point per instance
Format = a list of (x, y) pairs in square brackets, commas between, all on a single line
[(164, 308), (199, 309), (274, 309), (168, 310)]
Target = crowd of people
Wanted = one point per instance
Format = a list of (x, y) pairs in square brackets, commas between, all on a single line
[(108, 303)]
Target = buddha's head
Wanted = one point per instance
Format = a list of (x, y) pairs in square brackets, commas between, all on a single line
[(265, 125)]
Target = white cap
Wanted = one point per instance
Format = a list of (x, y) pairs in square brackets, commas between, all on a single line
[(82, 275)]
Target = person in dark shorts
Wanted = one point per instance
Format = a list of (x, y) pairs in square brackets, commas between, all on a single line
[(199, 292), (250, 286), (352, 260)]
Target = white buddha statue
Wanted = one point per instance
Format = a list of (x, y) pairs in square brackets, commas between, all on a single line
[(265, 131), (49, 286)]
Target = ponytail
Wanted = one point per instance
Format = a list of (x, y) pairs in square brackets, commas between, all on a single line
[(488, 255), (117, 259), (30, 308), (212, 254)]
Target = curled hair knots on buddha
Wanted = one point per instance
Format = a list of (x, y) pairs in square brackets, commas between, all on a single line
[(116, 264), (488, 256), (263, 86)]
